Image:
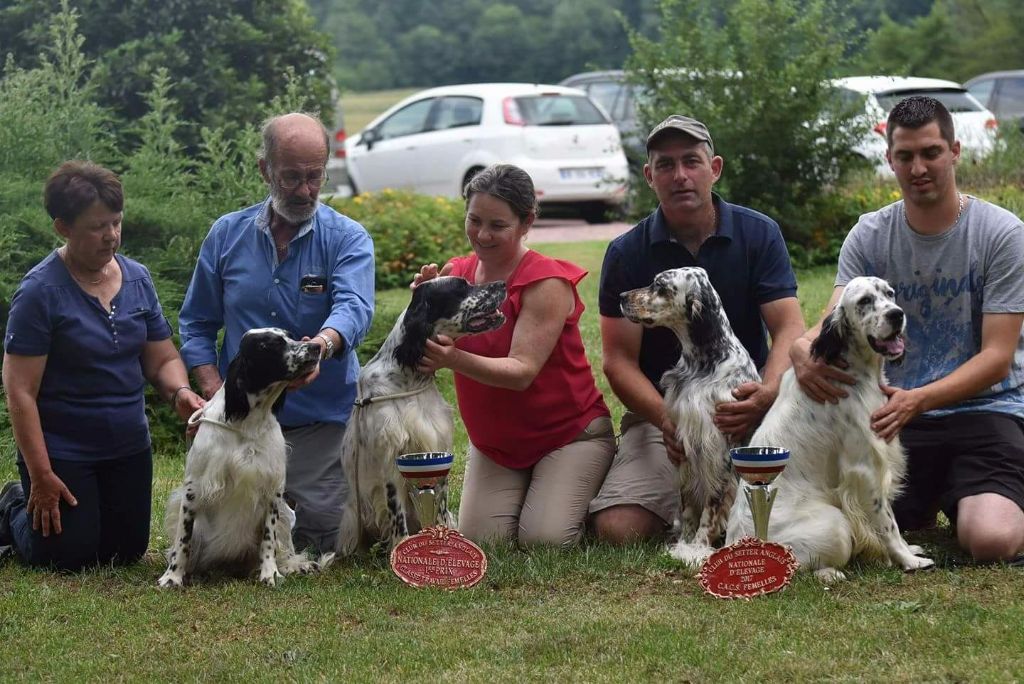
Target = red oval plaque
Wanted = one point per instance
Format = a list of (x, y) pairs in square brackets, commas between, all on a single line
[(748, 568), (438, 557)]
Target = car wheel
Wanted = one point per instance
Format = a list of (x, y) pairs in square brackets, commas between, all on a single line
[(595, 212), (469, 176)]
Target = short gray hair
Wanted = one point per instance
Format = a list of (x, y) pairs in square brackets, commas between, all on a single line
[(269, 136)]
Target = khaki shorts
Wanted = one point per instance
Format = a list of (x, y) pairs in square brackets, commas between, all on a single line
[(641, 473)]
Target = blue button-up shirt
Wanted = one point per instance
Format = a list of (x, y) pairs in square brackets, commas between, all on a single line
[(746, 260), (90, 399), (238, 284)]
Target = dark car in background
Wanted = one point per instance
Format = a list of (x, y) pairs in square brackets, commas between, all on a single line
[(618, 98), (1002, 92)]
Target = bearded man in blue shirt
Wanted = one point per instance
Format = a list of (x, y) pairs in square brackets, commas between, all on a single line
[(290, 262)]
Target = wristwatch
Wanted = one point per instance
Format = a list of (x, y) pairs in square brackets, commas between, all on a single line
[(329, 351)]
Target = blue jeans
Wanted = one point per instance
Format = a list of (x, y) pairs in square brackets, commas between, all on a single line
[(109, 524)]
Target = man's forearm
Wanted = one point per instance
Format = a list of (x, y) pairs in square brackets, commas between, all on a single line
[(208, 379)]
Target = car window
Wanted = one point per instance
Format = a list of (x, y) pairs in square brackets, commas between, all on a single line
[(559, 110), (606, 94), (954, 100), (407, 120), (455, 112), (1011, 97), (982, 90)]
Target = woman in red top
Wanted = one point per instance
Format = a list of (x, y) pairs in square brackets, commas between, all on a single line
[(540, 435)]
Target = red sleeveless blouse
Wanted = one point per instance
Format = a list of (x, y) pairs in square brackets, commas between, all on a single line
[(517, 429)]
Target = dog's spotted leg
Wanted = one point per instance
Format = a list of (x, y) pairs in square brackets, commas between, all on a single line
[(177, 558), (398, 528), (899, 551), (269, 574), (288, 560)]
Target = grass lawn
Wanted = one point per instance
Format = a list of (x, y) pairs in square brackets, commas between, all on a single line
[(592, 614), (360, 109)]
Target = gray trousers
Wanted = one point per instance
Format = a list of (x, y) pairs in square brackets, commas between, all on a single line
[(315, 484)]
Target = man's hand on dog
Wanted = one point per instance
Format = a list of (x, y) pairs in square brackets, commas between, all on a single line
[(674, 449), (737, 419)]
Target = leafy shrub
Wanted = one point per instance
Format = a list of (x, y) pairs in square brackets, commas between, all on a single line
[(408, 230), (756, 71)]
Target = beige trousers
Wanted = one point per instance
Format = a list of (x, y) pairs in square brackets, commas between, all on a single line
[(543, 505)]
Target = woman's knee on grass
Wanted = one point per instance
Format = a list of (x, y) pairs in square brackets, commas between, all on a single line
[(627, 524), (990, 527)]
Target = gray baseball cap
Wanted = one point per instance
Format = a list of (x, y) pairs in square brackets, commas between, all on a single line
[(677, 122)]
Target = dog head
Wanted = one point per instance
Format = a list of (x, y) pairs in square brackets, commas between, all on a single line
[(267, 360), (681, 299), (865, 321), (448, 306)]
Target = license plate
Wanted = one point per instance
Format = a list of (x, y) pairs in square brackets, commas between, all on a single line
[(585, 173)]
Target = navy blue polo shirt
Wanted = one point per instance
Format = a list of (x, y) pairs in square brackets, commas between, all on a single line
[(746, 260), (90, 400)]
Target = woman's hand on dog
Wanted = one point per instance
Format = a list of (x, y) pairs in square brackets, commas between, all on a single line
[(429, 272), (439, 352)]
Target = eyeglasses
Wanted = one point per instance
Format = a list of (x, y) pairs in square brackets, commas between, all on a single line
[(289, 180)]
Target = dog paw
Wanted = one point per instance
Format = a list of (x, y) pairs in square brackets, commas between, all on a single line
[(270, 577), (692, 555), (829, 575), (171, 580), (915, 549), (917, 563)]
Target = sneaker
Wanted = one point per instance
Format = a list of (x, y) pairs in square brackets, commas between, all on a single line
[(10, 494)]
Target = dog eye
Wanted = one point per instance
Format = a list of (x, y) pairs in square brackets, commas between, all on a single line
[(865, 300)]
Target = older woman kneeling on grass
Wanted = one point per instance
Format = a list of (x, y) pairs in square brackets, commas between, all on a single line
[(85, 333)]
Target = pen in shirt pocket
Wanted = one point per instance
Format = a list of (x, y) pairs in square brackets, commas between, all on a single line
[(312, 284)]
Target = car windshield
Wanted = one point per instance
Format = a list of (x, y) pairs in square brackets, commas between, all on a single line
[(559, 110), (954, 100)]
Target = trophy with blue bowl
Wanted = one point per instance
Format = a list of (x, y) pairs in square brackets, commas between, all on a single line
[(436, 556), (752, 566)]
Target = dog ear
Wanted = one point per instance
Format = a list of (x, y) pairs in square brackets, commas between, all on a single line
[(702, 319), (416, 329), (236, 401), (831, 342)]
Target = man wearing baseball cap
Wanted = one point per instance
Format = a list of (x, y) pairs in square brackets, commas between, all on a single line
[(747, 262)]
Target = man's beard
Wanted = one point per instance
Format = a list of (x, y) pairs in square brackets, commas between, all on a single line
[(290, 213)]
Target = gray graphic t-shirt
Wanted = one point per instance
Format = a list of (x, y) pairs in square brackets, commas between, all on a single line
[(944, 283)]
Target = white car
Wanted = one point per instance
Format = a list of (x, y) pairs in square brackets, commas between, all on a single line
[(974, 126), (433, 142)]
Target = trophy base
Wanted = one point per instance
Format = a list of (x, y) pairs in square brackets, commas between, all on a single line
[(438, 557), (750, 567)]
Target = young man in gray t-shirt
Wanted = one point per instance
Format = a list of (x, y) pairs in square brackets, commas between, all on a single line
[(957, 401)]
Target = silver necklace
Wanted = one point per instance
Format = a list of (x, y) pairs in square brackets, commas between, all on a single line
[(960, 210)]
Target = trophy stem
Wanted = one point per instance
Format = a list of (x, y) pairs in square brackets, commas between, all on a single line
[(760, 497), (424, 500)]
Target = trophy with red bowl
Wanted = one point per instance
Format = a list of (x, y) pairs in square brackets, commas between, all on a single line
[(437, 556), (753, 565)]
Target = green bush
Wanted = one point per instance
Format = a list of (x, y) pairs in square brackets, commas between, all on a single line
[(408, 230)]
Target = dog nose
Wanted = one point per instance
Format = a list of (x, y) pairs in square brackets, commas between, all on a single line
[(895, 317)]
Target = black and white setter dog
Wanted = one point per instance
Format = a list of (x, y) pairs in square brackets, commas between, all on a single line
[(834, 497), (230, 513), (400, 409), (712, 362)]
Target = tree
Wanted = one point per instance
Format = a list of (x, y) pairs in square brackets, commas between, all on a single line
[(222, 55), (760, 83)]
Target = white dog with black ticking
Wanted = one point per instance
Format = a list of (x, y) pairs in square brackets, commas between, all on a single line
[(834, 497), (230, 512), (712, 362), (400, 410)]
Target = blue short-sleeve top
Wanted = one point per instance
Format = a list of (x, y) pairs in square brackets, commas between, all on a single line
[(91, 402)]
